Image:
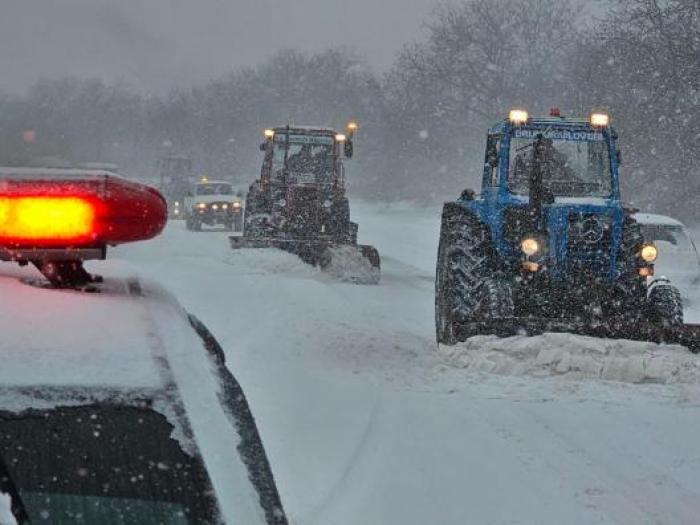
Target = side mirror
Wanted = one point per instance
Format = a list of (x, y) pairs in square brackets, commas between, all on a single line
[(348, 149), (547, 196), (467, 195), (263, 146)]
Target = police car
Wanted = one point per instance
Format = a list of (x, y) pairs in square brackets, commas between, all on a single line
[(116, 406)]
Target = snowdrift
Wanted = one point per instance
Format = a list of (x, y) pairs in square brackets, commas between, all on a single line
[(575, 357), (348, 265)]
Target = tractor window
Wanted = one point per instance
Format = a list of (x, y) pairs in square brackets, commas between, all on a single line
[(572, 168), (307, 156), (214, 189), (493, 147)]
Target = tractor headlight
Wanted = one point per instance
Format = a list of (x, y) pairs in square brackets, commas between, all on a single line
[(649, 253), (529, 246), (517, 116)]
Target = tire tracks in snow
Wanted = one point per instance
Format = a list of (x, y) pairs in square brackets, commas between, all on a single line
[(357, 463)]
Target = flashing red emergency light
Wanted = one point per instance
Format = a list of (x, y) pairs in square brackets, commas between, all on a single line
[(72, 209)]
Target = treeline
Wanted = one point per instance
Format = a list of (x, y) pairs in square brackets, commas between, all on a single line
[(422, 123)]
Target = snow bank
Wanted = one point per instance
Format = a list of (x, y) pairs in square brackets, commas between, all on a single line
[(347, 264), (6, 517), (575, 357), (269, 261)]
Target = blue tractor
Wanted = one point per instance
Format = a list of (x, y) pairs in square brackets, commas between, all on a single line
[(549, 245)]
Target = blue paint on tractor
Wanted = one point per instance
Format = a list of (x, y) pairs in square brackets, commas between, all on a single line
[(496, 198)]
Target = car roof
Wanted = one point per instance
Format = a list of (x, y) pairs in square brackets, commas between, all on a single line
[(7, 172), (132, 340), (318, 130), (214, 182), (539, 123), (60, 338), (661, 220)]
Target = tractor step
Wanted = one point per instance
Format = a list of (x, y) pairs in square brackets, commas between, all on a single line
[(687, 335)]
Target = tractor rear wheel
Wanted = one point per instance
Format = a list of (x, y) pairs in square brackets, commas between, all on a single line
[(665, 305), (467, 286)]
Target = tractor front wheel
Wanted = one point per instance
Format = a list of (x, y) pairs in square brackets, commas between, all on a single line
[(468, 288), (665, 305)]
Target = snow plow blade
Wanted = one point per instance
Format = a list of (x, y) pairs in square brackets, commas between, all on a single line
[(687, 335), (349, 262)]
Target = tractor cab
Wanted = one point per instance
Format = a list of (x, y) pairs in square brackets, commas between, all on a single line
[(305, 156), (548, 241), (299, 202), (553, 182)]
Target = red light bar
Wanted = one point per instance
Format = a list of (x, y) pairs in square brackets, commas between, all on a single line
[(46, 220), (72, 210)]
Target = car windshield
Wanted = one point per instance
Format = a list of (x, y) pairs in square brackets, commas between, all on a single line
[(670, 233), (308, 156), (570, 168), (213, 188), (106, 465)]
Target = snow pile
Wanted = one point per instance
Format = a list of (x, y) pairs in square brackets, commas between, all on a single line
[(576, 357), (349, 265), (6, 517), (269, 261)]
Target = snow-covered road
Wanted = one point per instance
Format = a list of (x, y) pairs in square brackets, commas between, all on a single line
[(365, 421)]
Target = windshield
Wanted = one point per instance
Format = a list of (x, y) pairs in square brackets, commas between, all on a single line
[(570, 168), (213, 188), (106, 465), (669, 233), (308, 156)]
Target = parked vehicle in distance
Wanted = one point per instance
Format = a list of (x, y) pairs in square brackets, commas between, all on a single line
[(678, 258)]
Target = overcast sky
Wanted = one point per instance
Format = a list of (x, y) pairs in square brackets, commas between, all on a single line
[(156, 44)]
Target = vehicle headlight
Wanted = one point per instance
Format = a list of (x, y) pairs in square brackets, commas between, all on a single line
[(529, 246), (649, 253), (236, 204), (224, 206), (177, 204), (214, 206), (202, 205)]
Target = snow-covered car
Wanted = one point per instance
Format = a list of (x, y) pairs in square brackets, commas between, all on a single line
[(213, 203), (118, 407), (678, 258)]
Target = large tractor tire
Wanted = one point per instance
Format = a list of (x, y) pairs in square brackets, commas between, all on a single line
[(665, 305), (468, 288)]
